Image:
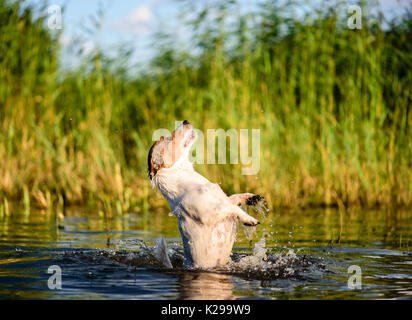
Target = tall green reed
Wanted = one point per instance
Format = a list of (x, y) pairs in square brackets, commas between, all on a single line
[(333, 106)]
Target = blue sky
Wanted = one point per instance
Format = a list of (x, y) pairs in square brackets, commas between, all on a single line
[(130, 22), (125, 21), (133, 22)]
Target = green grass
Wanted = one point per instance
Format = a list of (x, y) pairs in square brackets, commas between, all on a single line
[(333, 106)]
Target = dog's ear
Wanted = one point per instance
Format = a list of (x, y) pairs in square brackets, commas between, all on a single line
[(150, 165), (155, 160)]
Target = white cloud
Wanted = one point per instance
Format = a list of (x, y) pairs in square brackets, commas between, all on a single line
[(141, 14), (138, 21)]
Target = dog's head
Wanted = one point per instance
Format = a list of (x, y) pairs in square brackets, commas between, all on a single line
[(168, 151)]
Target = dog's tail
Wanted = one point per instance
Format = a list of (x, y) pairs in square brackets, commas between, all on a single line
[(161, 253)]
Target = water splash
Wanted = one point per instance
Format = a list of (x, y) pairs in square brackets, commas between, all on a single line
[(250, 232), (260, 207), (263, 265), (260, 264), (254, 260)]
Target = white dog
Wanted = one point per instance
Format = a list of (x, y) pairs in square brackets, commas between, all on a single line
[(207, 217)]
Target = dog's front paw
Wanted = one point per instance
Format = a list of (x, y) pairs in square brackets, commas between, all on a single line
[(251, 201), (250, 222)]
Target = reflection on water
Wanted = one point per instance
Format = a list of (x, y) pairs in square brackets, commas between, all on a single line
[(206, 286), (304, 254)]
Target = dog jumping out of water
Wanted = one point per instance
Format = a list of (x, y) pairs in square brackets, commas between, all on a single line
[(207, 217)]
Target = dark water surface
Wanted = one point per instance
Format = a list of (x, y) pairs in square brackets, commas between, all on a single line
[(306, 255)]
